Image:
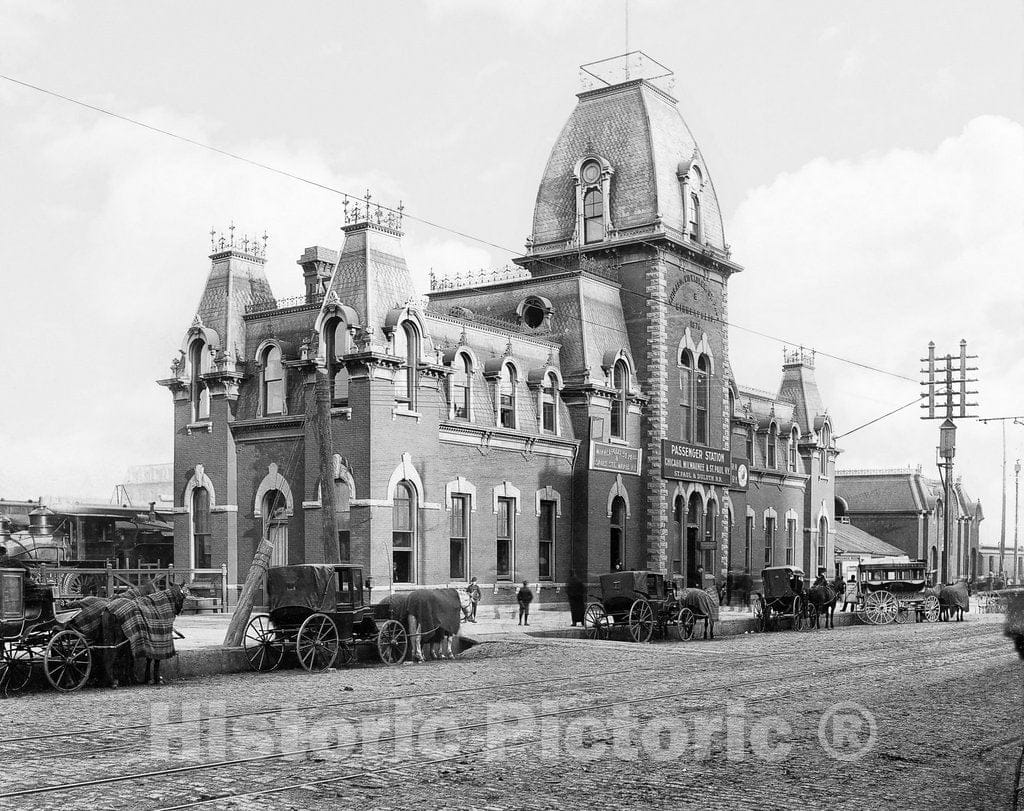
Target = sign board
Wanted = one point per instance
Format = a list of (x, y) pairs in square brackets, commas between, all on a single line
[(695, 463), (708, 545), (614, 458)]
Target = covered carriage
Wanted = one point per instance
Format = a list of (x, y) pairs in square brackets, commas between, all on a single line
[(320, 612), (643, 603), (783, 598), (34, 632), (895, 592)]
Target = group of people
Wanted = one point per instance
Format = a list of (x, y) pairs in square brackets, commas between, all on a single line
[(524, 597)]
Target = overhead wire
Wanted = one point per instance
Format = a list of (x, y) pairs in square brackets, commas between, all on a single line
[(439, 226)]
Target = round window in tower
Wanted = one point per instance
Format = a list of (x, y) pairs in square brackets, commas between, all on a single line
[(591, 172), (534, 314)]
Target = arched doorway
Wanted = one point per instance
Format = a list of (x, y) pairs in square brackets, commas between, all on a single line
[(694, 533), (821, 559), (678, 535)]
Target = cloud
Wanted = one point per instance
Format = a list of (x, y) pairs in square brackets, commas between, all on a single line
[(853, 62), (869, 259), (443, 257), (522, 14)]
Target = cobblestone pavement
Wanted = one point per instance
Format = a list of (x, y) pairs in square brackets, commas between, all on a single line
[(914, 716)]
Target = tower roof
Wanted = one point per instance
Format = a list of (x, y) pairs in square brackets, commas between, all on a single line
[(635, 126)]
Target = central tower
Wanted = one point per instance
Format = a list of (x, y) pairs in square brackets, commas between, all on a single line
[(627, 196)]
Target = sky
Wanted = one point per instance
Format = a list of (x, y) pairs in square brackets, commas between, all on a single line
[(868, 157)]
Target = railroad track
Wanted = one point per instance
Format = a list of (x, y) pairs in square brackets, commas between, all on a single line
[(809, 680)]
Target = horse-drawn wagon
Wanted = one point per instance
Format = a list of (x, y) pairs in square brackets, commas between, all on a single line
[(783, 598), (33, 631), (895, 592), (643, 603), (320, 612)]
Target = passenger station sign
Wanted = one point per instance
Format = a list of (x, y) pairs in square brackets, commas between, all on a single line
[(695, 463), (614, 458)]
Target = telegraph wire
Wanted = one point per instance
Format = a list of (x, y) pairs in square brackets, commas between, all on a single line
[(915, 401), (401, 211)]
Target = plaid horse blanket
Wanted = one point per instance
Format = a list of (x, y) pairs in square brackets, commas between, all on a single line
[(89, 621), (147, 622)]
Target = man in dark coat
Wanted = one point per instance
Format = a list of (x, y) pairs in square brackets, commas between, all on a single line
[(576, 591), (524, 597)]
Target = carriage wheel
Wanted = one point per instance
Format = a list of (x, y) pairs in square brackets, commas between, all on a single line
[(930, 610), (641, 621), (760, 621), (392, 642), (880, 607), (262, 643), (346, 654), (902, 613), (798, 614), (67, 661), (595, 622), (686, 623), (317, 643), (15, 669), (810, 617)]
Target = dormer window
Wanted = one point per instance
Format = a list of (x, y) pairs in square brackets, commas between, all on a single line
[(620, 379), (695, 217), (771, 447), (593, 216), (199, 395), (507, 396), (406, 346), (593, 187), (272, 388), (794, 440), (336, 341), (461, 383), (826, 440), (693, 183), (549, 404)]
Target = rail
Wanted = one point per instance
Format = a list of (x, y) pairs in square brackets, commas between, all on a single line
[(209, 587)]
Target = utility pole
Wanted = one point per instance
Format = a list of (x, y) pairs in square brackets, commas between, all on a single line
[(1016, 420), (947, 380), (1016, 518)]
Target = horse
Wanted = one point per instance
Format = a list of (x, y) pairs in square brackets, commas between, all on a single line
[(142, 621), (431, 617), (824, 598), (1015, 623), (954, 600), (702, 606)]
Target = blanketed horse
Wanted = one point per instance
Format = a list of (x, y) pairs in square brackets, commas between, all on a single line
[(954, 601), (703, 607), (824, 599), (142, 621), (1015, 623), (431, 617)]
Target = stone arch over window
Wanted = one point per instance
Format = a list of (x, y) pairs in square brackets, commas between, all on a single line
[(198, 479), (507, 490), (406, 471), (823, 513), (685, 491), (793, 449), (618, 490), (549, 493), (534, 311), (691, 183), (463, 363), (696, 348), (593, 175), (273, 481), (769, 513), (460, 486)]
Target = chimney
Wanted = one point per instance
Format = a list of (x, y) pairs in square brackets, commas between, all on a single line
[(317, 266)]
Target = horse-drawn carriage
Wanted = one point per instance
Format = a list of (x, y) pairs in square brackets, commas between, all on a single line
[(783, 598), (895, 592), (33, 631), (643, 603), (320, 612)]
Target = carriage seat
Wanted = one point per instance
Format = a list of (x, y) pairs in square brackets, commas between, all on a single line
[(64, 617)]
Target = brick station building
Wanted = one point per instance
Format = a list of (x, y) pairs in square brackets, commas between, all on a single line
[(576, 413)]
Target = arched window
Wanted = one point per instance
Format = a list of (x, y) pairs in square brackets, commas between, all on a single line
[(272, 390), (702, 400), (769, 540), (403, 534), (336, 340), (549, 404), (593, 203), (198, 393), (710, 536), (461, 387), (695, 217), (617, 534), (686, 394), (202, 553), (620, 380), (507, 396), (407, 347), (694, 535), (790, 541), (750, 446), (275, 525), (748, 542), (822, 542), (794, 440), (826, 440), (771, 441), (678, 535), (342, 514)]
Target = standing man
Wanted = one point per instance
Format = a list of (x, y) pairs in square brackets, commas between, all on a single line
[(524, 597), (473, 589), (576, 591), (850, 594)]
